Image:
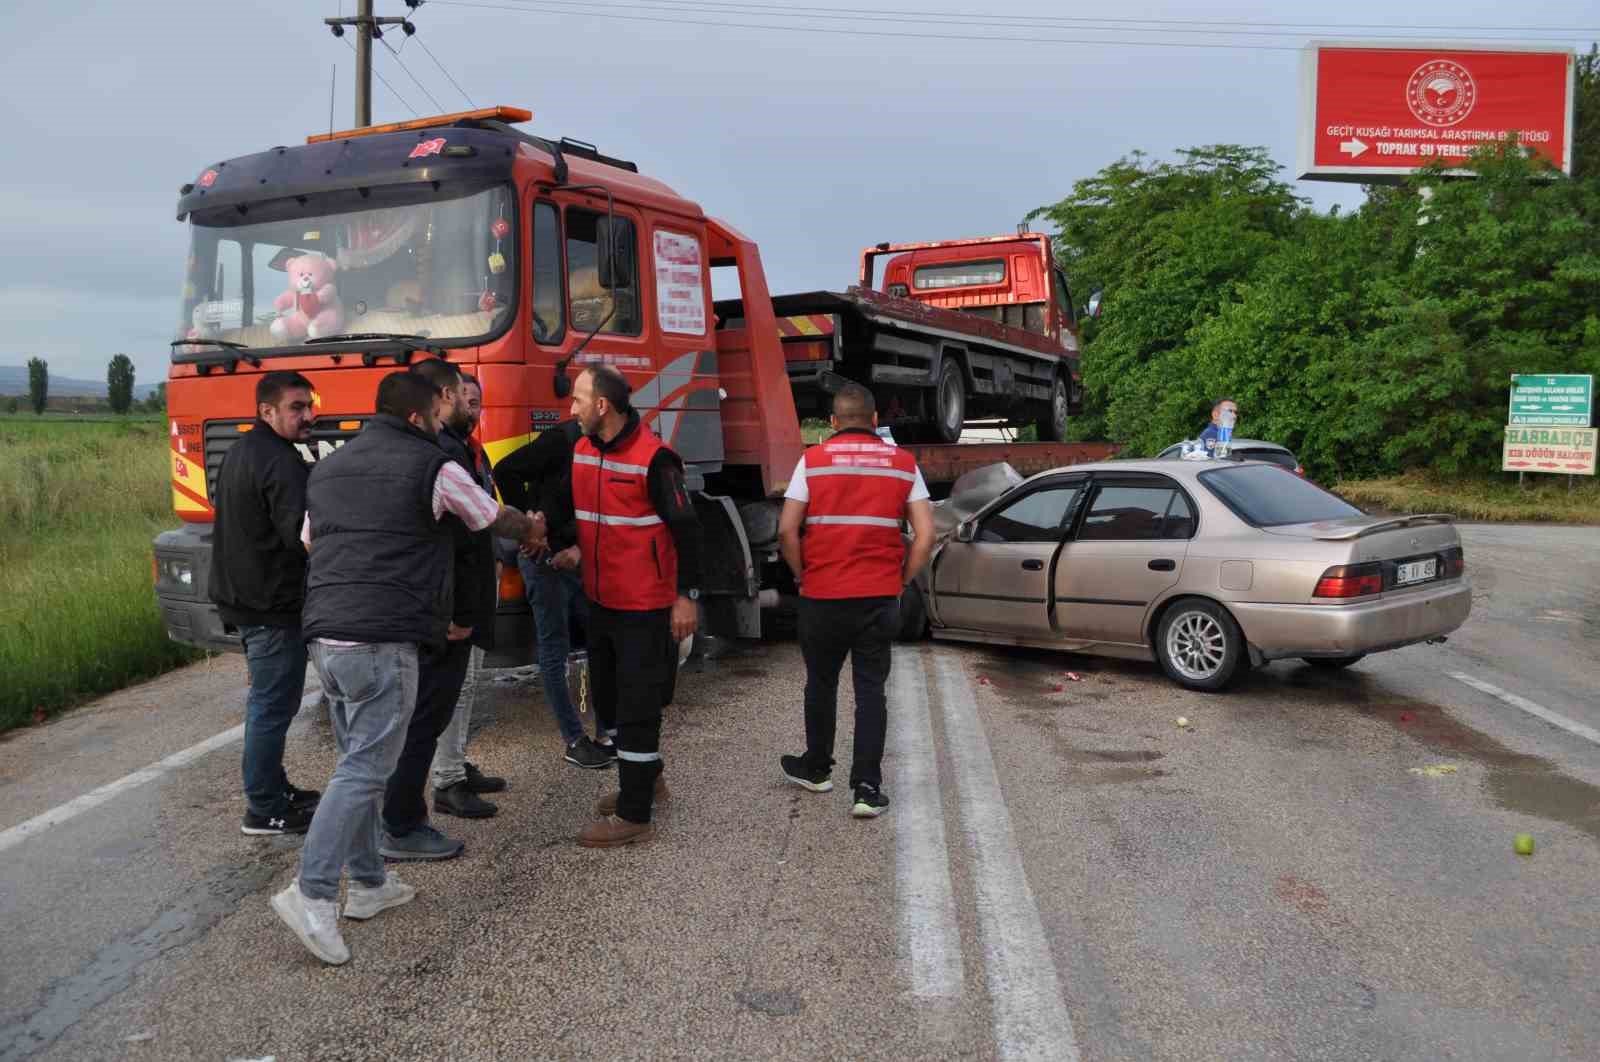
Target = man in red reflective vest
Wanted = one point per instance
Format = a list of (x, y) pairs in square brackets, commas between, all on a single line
[(639, 557), (851, 495)]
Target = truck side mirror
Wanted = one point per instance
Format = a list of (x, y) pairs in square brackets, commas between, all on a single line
[(1093, 309), (615, 256)]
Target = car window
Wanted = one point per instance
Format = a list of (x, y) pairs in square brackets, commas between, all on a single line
[(1131, 512), (1035, 517), (1281, 458), (1180, 517), (1269, 496)]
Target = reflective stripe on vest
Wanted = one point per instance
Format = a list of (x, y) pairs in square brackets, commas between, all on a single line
[(852, 547), (627, 560)]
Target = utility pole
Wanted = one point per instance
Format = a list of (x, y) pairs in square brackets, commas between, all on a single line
[(367, 27)]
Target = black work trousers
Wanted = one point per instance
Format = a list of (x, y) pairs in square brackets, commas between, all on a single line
[(441, 672), (633, 671), (862, 628)]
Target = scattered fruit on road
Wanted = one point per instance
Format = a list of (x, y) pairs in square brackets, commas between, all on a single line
[(1523, 844)]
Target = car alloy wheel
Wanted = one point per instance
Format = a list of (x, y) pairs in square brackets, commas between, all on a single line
[(1199, 645)]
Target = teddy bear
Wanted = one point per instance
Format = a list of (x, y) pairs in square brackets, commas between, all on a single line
[(310, 308)]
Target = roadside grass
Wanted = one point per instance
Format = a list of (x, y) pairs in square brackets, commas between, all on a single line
[(79, 503), (1498, 498)]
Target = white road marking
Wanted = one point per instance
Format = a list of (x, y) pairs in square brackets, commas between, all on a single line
[(95, 797), (1572, 726), (1030, 1018), (929, 932)]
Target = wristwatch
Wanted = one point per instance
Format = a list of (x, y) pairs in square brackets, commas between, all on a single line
[(693, 593)]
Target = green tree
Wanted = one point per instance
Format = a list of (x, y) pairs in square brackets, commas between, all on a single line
[(119, 382), (13, 404), (1586, 116), (1170, 244), (157, 402), (38, 383)]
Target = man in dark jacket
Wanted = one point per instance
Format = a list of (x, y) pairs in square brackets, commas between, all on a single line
[(539, 476), (379, 590), (457, 782), (441, 669), (258, 574)]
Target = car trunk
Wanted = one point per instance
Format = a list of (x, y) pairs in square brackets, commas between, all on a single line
[(1399, 548)]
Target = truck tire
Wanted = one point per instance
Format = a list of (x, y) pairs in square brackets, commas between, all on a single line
[(949, 402), (1052, 423)]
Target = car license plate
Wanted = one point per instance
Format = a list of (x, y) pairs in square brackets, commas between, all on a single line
[(1416, 572)]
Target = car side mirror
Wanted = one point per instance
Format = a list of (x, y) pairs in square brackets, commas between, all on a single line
[(1093, 309), (966, 531)]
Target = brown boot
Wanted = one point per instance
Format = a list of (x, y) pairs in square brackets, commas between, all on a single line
[(607, 805), (610, 832)]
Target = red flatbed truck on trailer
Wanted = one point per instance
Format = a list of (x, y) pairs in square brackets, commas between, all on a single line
[(521, 259)]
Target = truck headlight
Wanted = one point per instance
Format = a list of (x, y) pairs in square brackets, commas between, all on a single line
[(174, 574)]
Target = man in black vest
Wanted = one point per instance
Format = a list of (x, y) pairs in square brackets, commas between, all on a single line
[(258, 573), (378, 589), (442, 670)]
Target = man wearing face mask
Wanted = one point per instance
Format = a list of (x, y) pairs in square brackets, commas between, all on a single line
[(258, 574), (378, 597)]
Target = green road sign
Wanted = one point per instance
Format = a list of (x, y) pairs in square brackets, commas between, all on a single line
[(1567, 399)]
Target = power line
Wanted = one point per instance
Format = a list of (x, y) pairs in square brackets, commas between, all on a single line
[(448, 76), (445, 72), (996, 20), (386, 85), (437, 106), (587, 10)]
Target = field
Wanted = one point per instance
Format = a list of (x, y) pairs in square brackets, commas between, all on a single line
[(1542, 498), (80, 501)]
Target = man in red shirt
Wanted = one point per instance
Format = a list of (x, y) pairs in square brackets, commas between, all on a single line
[(851, 495)]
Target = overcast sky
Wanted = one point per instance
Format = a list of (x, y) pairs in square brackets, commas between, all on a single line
[(815, 144)]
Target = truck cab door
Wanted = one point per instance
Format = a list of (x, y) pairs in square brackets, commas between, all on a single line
[(998, 583)]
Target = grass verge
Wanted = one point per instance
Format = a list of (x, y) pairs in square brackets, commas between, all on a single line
[(79, 504), (1498, 498)]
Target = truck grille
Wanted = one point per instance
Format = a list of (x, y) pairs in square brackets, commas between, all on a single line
[(327, 435)]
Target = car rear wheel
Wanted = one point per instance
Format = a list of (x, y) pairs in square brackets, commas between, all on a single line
[(1199, 645), (1333, 663)]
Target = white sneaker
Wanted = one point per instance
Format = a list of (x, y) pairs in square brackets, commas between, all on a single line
[(315, 922), (365, 901)]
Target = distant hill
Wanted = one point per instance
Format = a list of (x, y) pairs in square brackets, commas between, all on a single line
[(14, 381)]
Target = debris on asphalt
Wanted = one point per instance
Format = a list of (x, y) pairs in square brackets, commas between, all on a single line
[(139, 1037), (1523, 843), (983, 680), (1183, 722), (1073, 676), (1435, 770)]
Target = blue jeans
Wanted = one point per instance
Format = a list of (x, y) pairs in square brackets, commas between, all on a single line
[(557, 600), (371, 691), (276, 658)]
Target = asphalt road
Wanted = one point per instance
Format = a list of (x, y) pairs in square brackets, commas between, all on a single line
[(1065, 872)]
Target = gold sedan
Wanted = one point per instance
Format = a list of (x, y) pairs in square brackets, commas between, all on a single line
[(1208, 567)]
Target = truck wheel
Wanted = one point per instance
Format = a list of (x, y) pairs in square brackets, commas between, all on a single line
[(949, 402), (1052, 423)]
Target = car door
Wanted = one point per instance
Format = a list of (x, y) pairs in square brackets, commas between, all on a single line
[(998, 582), (1127, 548)]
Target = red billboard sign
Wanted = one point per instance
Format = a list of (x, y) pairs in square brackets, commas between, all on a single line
[(1375, 114)]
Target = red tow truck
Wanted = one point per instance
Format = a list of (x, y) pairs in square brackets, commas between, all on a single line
[(523, 259)]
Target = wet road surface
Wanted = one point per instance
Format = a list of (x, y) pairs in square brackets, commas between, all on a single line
[(1318, 866)]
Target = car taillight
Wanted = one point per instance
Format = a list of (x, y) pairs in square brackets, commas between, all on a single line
[(1455, 563), (1350, 580), (1299, 471)]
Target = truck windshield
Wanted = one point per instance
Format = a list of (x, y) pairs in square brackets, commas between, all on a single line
[(443, 270)]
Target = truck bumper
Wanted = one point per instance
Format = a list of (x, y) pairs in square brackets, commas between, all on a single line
[(183, 567)]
